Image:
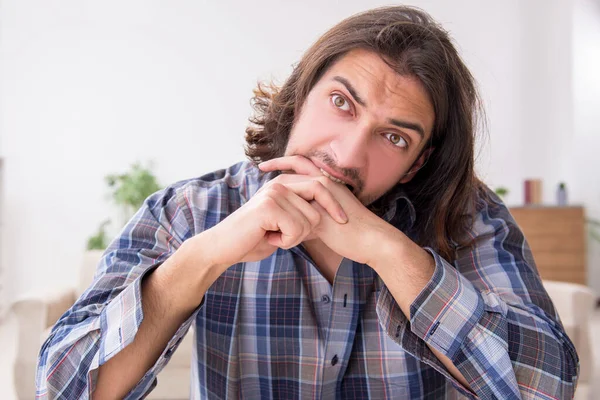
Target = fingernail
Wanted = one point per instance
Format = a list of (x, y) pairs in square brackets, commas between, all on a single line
[(343, 216)]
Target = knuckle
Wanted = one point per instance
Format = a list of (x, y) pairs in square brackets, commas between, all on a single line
[(293, 235), (315, 218), (318, 184), (269, 202), (325, 181), (308, 222), (277, 188), (283, 179)]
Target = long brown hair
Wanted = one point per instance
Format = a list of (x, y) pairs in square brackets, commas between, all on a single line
[(444, 190)]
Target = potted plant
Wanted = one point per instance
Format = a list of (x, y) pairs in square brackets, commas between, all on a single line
[(502, 192), (128, 192)]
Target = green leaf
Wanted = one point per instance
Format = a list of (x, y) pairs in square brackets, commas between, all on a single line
[(501, 191), (129, 190), (99, 240), (132, 188)]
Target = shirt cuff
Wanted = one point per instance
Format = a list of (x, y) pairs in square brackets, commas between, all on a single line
[(447, 308), (119, 323), (398, 327), (121, 318)]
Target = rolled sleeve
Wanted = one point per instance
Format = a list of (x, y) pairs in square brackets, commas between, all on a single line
[(489, 313), (107, 316), (447, 308), (119, 324), (121, 319)]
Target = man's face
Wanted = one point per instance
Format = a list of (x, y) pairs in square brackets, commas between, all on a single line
[(364, 124)]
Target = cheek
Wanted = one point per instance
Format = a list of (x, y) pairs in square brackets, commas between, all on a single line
[(314, 127), (384, 173)]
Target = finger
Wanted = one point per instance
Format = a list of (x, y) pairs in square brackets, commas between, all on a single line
[(281, 228), (293, 224), (284, 179), (295, 228), (315, 190), (310, 213), (298, 164)]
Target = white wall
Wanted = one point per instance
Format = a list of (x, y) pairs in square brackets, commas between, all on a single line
[(585, 141), (90, 87)]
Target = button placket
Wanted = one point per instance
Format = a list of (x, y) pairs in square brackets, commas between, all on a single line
[(342, 319)]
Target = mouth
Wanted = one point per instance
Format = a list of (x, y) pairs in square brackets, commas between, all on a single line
[(333, 178)]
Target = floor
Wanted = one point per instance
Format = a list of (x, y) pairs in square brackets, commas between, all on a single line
[(8, 339)]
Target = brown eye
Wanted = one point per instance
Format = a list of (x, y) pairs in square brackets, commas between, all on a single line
[(340, 102), (396, 140)]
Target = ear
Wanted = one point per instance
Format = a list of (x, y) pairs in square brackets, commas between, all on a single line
[(417, 165)]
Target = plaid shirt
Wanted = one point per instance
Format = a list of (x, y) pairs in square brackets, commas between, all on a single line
[(277, 328)]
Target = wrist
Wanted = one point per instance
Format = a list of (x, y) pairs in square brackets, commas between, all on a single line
[(405, 268), (189, 272), (387, 244), (399, 252)]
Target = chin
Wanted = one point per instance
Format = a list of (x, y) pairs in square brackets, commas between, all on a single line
[(368, 200)]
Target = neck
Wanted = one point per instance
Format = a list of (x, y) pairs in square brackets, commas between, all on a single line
[(327, 260)]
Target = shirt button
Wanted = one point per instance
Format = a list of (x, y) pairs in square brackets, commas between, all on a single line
[(325, 299), (334, 360), (171, 350)]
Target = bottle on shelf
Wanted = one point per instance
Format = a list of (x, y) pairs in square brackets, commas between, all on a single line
[(561, 195)]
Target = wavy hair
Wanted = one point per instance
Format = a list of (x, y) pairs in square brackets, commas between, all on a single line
[(445, 189)]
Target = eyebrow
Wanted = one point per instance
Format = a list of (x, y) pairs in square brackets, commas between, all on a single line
[(351, 89), (399, 123), (408, 125)]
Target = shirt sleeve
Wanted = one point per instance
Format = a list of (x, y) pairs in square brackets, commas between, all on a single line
[(490, 314), (105, 319)]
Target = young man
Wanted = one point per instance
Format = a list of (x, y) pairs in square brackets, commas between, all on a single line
[(376, 266)]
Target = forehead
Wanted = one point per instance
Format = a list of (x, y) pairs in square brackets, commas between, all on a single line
[(384, 90)]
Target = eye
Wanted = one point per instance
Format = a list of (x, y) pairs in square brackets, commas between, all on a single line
[(396, 140), (340, 102)]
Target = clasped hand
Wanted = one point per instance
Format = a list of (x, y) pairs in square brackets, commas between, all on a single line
[(297, 206)]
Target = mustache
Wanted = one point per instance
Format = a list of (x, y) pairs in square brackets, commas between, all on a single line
[(352, 174)]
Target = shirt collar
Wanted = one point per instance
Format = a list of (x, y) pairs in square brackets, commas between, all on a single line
[(396, 204)]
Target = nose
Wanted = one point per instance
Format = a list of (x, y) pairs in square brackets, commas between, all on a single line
[(350, 148)]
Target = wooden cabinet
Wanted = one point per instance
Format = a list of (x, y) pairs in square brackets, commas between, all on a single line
[(557, 237)]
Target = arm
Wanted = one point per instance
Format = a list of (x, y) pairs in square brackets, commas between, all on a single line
[(406, 282), (109, 315), (485, 322), (488, 315), (169, 296), (154, 276)]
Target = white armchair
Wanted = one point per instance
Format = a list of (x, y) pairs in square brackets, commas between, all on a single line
[(37, 314), (575, 305)]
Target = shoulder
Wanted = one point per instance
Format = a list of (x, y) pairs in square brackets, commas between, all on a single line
[(491, 216), (236, 183), (202, 202)]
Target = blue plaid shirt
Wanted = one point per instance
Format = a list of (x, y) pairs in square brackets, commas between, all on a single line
[(277, 328)]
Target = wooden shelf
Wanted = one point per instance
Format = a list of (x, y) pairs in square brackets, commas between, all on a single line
[(557, 239)]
